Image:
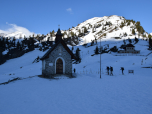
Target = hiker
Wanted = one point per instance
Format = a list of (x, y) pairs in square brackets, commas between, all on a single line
[(142, 62), (74, 70), (108, 70), (111, 70), (122, 68)]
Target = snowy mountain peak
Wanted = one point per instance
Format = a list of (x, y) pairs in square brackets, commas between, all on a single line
[(16, 34), (106, 27), (15, 31)]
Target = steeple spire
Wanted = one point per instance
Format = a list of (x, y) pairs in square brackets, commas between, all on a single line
[(58, 35)]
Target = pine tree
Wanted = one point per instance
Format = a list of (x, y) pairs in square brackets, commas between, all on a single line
[(102, 28), (104, 34), (133, 31), (138, 23), (24, 37), (13, 43), (6, 41), (92, 29), (79, 32), (53, 33), (50, 33), (28, 43), (22, 43), (139, 27), (136, 40), (42, 36), (33, 36), (92, 42), (144, 36), (122, 25), (95, 40), (150, 41), (129, 40), (96, 50), (18, 45), (32, 41), (115, 27), (125, 34), (1, 43), (85, 30), (48, 39), (78, 55), (128, 23), (65, 33), (149, 36), (72, 34)]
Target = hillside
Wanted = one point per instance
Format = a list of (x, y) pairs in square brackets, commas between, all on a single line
[(87, 92), (104, 27)]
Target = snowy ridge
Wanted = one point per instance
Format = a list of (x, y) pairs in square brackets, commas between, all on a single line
[(101, 30), (16, 35), (90, 24)]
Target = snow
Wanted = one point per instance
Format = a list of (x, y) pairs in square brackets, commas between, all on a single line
[(86, 93), (5, 52), (12, 68)]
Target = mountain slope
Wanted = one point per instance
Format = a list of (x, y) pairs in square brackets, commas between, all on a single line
[(129, 93), (105, 27)]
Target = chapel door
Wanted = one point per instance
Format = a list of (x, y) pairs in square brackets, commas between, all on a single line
[(59, 66)]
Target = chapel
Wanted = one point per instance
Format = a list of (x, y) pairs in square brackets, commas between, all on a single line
[(58, 59)]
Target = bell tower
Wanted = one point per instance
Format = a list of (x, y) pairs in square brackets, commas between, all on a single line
[(58, 36)]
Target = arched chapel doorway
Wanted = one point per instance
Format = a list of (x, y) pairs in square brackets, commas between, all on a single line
[(59, 66)]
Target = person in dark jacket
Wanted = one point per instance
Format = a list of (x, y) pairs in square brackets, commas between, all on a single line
[(111, 70), (122, 68), (74, 70), (108, 70)]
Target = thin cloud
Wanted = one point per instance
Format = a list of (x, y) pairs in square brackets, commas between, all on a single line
[(69, 10), (14, 28)]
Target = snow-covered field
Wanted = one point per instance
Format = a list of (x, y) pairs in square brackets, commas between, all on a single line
[(85, 94)]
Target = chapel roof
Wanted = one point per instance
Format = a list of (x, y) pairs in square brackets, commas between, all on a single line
[(129, 45), (54, 46)]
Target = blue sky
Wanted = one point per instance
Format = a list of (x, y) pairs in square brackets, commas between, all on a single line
[(43, 16)]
